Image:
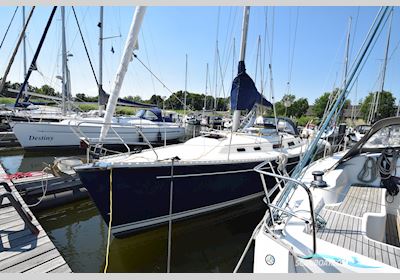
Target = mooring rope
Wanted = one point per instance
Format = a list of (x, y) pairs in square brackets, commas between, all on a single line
[(44, 188), (109, 226), (171, 194)]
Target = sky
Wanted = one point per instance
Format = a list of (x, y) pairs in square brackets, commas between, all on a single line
[(306, 46)]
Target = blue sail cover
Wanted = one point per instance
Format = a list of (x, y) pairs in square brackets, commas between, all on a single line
[(244, 93)]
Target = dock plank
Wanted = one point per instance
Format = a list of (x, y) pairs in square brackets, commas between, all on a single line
[(22, 251), (47, 266), (61, 269), (29, 263)]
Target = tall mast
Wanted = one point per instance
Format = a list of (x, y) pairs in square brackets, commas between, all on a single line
[(346, 57), (205, 94), (384, 63), (245, 25), (130, 44), (24, 45), (21, 36), (184, 98), (101, 106), (376, 98), (216, 73), (64, 63), (346, 66)]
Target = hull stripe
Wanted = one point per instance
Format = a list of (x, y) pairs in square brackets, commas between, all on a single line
[(215, 173), (163, 219)]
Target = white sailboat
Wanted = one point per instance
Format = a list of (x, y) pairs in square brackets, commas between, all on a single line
[(148, 123)]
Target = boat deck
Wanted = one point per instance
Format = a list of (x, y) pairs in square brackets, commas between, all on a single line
[(22, 251), (343, 226)]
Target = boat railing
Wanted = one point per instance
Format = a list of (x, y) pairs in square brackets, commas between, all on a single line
[(95, 144), (275, 211)]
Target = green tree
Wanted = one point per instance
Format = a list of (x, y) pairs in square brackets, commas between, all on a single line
[(280, 108), (156, 100), (48, 90), (320, 104), (298, 108), (386, 106), (135, 98), (81, 97)]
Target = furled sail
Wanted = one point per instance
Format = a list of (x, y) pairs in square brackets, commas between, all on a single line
[(244, 93)]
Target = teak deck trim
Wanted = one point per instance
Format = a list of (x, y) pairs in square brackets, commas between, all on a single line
[(344, 225)]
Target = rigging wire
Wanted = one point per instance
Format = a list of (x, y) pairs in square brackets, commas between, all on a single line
[(222, 75), (148, 61), (291, 50), (8, 27), (228, 47), (148, 69), (84, 45), (270, 41), (355, 32), (216, 60), (77, 32)]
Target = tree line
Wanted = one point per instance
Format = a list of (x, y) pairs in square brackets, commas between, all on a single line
[(289, 105)]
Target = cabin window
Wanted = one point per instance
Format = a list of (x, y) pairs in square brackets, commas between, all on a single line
[(291, 143), (257, 148), (276, 146), (149, 115), (241, 149)]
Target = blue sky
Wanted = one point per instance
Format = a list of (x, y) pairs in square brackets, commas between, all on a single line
[(169, 33)]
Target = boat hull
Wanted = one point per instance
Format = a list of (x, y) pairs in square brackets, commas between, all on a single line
[(46, 135), (141, 195)]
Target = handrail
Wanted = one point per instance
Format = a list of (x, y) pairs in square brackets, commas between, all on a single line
[(78, 125), (258, 169)]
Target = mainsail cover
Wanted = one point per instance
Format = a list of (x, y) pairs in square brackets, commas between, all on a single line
[(103, 96), (244, 93)]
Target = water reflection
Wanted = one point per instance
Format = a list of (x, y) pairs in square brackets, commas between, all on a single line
[(210, 243)]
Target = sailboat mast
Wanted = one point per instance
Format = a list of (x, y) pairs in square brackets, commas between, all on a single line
[(101, 106), (384, 65), (35, 56), (346, 58), (375, 99), (205, 94), (24, 40), (245, 25), (185, 94), (21, 36), (64, 62), (346, 66), (398, 109), (123, 68)]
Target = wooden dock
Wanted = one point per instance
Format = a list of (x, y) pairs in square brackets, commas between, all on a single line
[(22, 251), (8, 139)]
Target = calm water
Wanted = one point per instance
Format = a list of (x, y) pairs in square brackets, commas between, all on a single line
[(210, 243)]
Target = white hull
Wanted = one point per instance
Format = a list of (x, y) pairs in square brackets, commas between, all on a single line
[(47, 134)]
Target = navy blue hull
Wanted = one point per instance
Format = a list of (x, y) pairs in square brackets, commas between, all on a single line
[(142, 194)]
